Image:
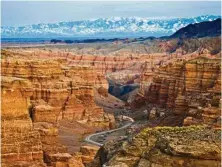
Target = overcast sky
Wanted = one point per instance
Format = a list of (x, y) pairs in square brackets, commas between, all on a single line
[(24, 12)]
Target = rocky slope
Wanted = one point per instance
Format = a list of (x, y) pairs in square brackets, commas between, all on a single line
[(203, 29), (164, 147)]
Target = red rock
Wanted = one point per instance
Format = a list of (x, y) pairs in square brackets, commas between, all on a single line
[(20, 142), (57, 91)]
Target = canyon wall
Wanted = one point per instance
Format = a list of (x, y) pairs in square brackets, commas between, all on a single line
[(21, 143), (119, 65), (31, 116), (59, 91), (189, 88)]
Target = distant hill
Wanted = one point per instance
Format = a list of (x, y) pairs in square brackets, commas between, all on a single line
[(202, 29)]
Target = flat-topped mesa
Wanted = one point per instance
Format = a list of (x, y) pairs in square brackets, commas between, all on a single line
[(108, 65), (198, 78), (21, 144)]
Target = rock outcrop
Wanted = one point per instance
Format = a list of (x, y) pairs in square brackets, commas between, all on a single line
[(57, 92), (186, 85), (167, 147), (21, 144), (86, 154)]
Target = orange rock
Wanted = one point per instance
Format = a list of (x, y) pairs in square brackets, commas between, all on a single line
[(20, 142), (46, 90), (190, 121), (86, 154), (196, 76), (66, 91)]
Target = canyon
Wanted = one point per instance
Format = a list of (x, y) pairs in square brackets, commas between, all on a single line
[(55, 96), (39, 99)]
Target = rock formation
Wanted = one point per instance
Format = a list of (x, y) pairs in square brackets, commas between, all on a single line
[(166, 147), (21, 143), (56, 92), (86, 154), (44, 89), (59, 91), (183, 86)]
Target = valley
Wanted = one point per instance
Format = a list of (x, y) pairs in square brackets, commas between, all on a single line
[(150, 103)]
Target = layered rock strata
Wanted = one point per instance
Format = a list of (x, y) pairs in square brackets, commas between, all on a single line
[(187, 84), (121, 66), (86, 154), (58, 92), (21, 143)]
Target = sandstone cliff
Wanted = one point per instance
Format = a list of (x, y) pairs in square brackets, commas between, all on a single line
[(21, 143), (188, 87), (57, 92)]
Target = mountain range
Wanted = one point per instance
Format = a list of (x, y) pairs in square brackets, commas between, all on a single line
[(105, 27)]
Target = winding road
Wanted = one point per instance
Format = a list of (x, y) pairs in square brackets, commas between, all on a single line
[(88, 138)]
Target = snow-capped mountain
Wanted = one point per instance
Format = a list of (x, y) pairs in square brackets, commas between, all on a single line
[(105, 27)]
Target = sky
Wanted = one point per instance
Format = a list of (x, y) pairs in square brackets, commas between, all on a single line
[(16, 13)]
